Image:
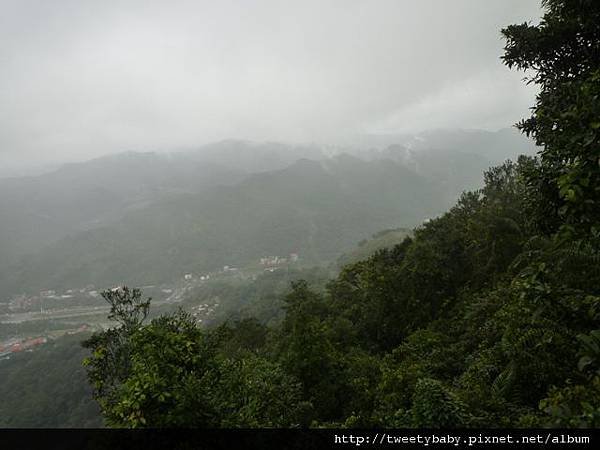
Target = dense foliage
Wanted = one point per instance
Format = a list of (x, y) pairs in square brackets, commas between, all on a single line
[(47, 388), (260, 297), (487, 316), (367, 247), (563, 53)]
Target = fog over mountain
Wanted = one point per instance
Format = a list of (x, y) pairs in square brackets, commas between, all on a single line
[(143, 140), (82, 79), (228, 203)]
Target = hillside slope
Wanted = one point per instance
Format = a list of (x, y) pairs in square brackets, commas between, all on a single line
[(317, 209)]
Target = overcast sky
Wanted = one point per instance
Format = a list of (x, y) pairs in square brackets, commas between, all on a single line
[(83, 78)]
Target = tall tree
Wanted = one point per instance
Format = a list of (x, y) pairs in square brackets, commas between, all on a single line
[(561, 55)]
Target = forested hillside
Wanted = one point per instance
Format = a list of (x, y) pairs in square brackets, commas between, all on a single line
[(85, 223), (379, 241), (47, 388), (39, 210), (489, 315), (316, 209)]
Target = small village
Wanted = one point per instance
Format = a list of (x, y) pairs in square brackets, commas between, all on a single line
[(28, 344), (85, 309)]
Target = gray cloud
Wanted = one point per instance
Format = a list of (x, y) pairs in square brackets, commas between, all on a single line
[(82, 78)]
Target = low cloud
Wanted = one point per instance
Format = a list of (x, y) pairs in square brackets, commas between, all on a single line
[(84, 78)]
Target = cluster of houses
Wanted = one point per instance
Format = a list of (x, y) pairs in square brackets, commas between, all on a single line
[(25, 302), (201, 312), (89, 290), (192, 277), (225, 270), (19, 345), (271, 263), (16, 344)]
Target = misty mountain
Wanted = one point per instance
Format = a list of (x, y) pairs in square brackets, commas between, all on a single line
[(147, 217), (495, 147), (38, 210), (384, 239), (456, 159), (35, 211), (251, 157), (315, 208), (454, 171)]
